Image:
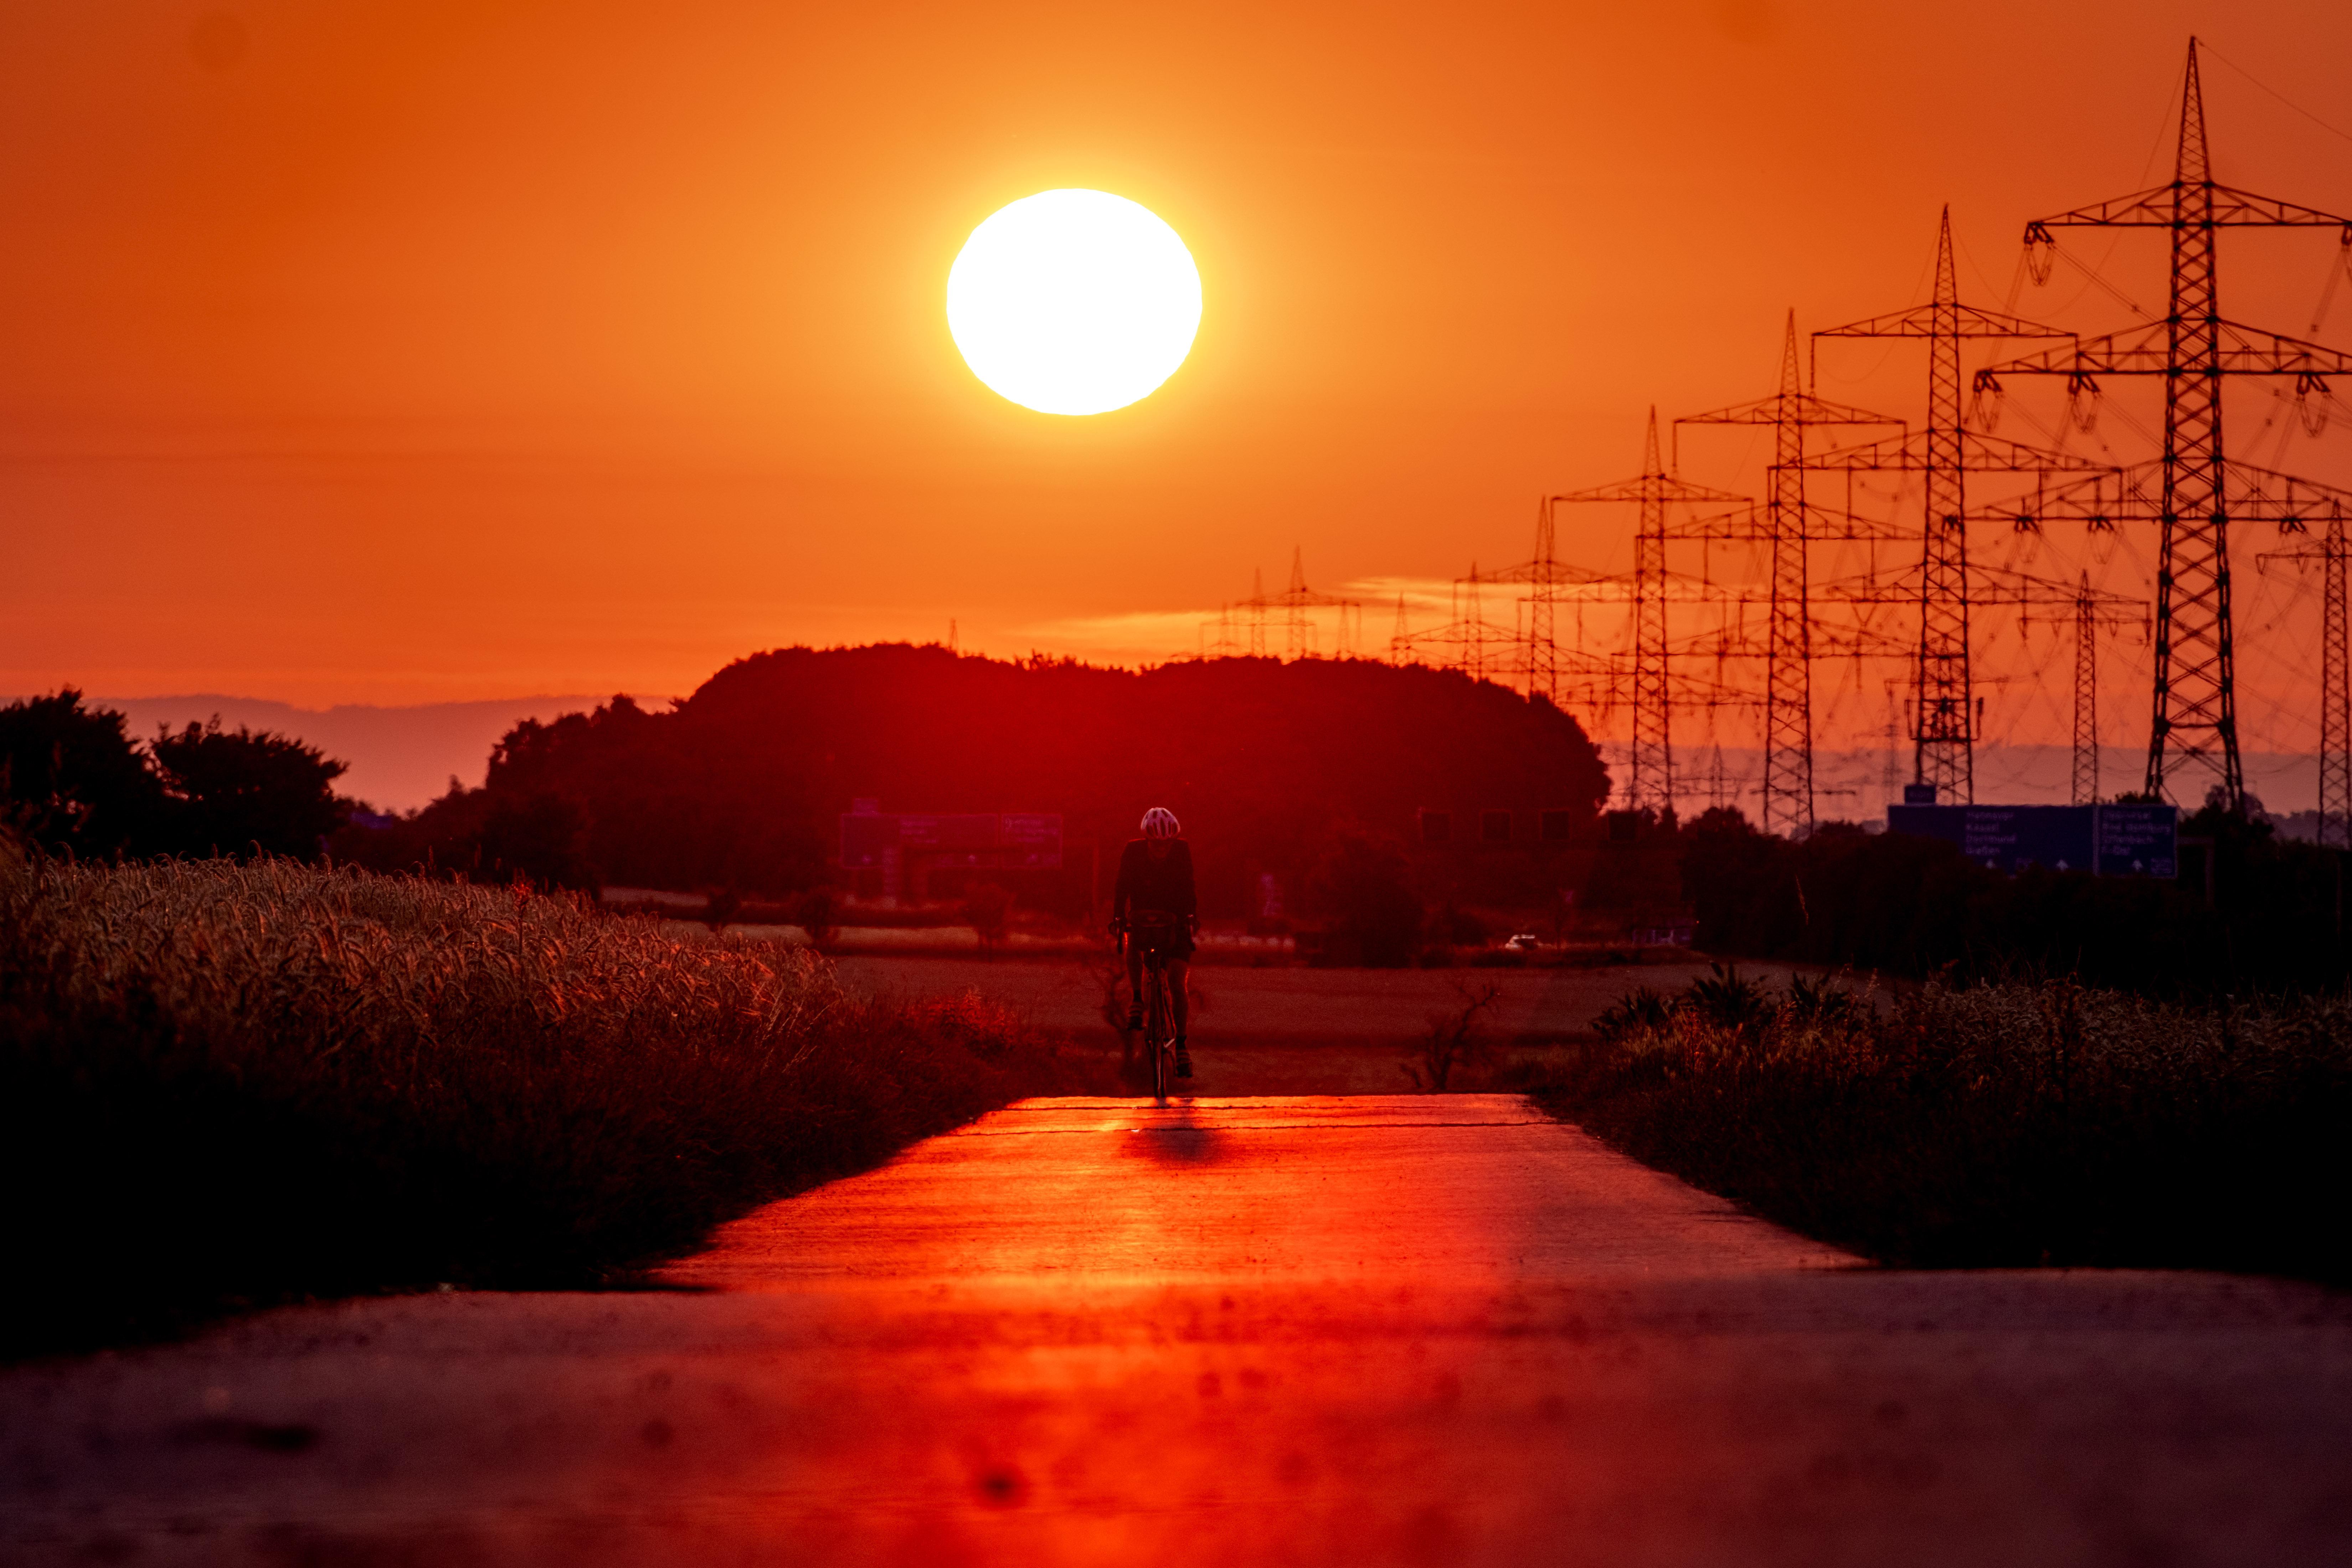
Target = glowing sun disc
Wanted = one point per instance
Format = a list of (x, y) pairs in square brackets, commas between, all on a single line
[(1074, 302)]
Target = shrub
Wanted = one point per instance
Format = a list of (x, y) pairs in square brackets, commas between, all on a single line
[(988, 909), (1994, 1125), (1641, 1009), (1723, 999), (1363, 884), (1456, 1038)]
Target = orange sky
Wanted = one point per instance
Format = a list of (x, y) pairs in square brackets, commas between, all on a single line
[(422, 351)]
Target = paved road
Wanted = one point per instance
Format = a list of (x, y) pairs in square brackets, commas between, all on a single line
[(1361, 1332)]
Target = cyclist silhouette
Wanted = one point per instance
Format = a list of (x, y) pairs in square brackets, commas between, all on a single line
[(1155, 878)]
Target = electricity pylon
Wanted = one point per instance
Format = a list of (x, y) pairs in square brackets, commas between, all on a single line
[(2197, 490), (1943, 693), (1788, 693), (2092, 611), (1650, 783), (1545, 576), (2083, 784), (2330, 553), (1293, 603)]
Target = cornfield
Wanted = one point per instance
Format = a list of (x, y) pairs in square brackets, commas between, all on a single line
[(228, 1084), (1997, 1125)]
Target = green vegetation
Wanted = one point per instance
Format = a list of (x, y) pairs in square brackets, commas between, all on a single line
[(1992, 1126), (225, 1084)]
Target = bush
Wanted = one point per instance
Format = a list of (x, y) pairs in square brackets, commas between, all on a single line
[(1993, 1126), (1457, 1039), (988, 909), (1363, 884), (1915, 906), (818, 913), (1456, 927), (225, 1084)]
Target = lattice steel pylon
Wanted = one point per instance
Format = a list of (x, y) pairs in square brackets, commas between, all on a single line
[(2330, 551), (1788, 699), (2194, 717), (1943, 692), (1650, 777), (2083, 786), (1540, 659)]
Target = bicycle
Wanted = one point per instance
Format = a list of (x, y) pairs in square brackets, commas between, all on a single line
[(1158, 1021)]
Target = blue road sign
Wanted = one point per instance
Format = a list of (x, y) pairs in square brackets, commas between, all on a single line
[(2132, 840), (2137, 840)]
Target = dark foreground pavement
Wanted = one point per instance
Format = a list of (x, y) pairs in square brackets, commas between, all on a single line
[(1356, 1332)]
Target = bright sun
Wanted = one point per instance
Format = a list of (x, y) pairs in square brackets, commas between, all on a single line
[(1074, 302)]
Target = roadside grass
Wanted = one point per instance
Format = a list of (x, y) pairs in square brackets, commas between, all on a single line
[(1993, 1126), (224, 1085)]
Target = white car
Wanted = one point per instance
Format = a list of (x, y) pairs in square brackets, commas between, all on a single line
[(1525, 941)]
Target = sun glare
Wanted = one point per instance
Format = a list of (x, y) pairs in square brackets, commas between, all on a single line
[(1074, 302)]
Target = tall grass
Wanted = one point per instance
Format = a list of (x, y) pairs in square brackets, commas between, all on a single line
[(1995, 1125), (223, 1084)]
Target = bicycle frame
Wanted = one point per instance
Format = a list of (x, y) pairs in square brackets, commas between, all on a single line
[(1158, 1023)]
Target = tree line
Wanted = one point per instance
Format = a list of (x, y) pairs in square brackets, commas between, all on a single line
[(1310, 772), (75, 782), (2274, 921)]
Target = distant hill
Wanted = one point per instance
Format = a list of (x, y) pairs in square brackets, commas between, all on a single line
[(400, 757), (743, 782)]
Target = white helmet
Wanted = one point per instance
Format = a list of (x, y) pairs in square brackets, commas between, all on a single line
[(1160, 823)]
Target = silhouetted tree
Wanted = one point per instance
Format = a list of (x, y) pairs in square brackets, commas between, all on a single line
[(243, 791), (1362, 885), (987, 908), (73, 780), (818, 913), (741, 781), (537, 838)]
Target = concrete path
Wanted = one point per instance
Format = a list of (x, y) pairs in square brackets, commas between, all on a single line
[(1361, 1332)]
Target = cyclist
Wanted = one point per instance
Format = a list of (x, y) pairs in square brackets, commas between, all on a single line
[(1155, 875)]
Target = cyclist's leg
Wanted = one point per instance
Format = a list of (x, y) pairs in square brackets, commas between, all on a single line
[(1134, 980)]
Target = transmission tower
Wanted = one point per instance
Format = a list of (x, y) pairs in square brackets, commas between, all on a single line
[(1224, 645), (1291, 606), (1545, 574), (1651, 780), (2198, 489), (2091, 611), (1943, 696), (2084, 785), (2335, 678), (1787, 701)]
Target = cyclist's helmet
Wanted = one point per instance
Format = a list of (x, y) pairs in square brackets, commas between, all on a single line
[(1160, 823)]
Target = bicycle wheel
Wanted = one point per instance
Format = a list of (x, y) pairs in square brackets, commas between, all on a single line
[(1155, 1032)]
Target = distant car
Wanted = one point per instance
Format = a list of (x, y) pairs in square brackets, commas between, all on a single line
[(1525, 940)]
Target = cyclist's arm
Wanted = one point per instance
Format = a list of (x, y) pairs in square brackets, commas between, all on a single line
[(1187, 895), (1121, 888)]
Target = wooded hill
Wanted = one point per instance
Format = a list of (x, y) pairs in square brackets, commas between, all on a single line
[(741, 783)]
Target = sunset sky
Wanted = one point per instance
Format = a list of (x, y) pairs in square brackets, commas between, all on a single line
[(407, 353)]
